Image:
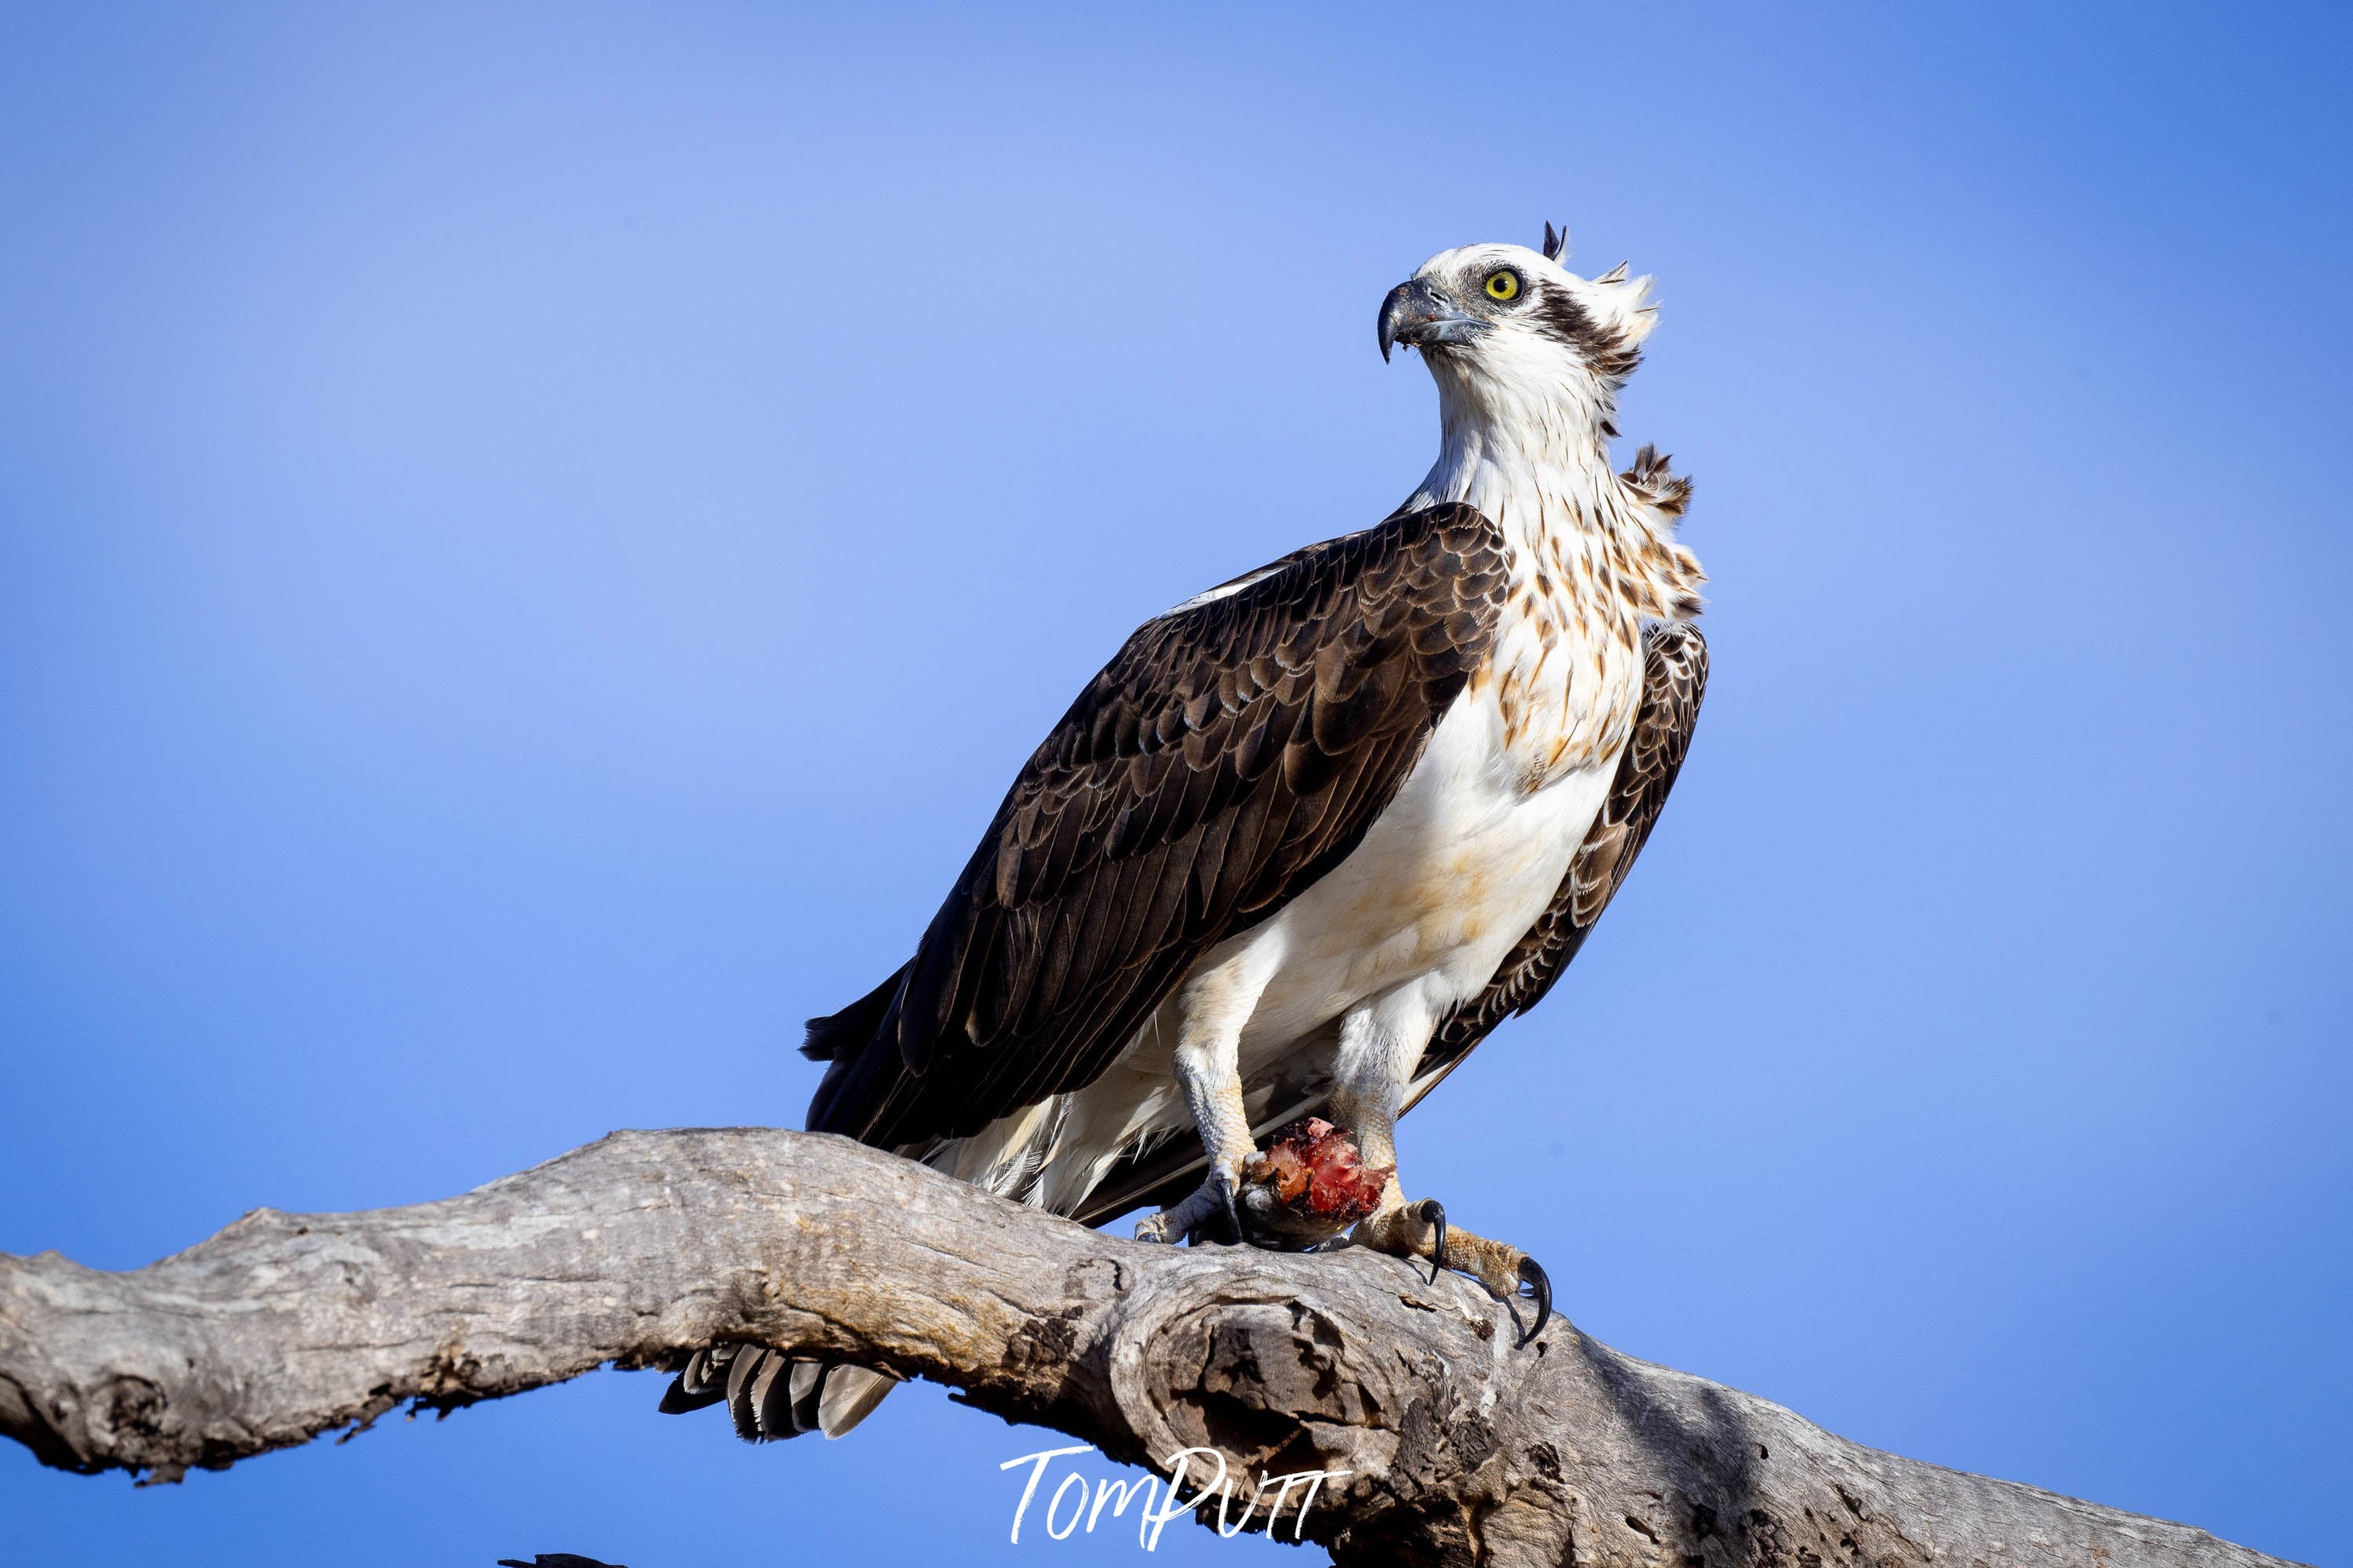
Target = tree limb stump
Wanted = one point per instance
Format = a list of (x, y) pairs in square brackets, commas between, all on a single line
[(645, 1246)]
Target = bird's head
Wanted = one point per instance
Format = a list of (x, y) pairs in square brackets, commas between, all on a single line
[(1508, 328)]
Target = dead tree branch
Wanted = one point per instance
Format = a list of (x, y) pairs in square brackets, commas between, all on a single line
[(646, 1245)]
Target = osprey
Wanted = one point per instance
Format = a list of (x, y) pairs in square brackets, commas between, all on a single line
[(1308, 837)]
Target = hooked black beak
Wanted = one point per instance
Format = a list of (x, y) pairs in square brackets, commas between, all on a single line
[(1419, 315)]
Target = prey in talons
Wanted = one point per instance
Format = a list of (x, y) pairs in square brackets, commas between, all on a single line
[(1311, 1185), (1301, 1192)]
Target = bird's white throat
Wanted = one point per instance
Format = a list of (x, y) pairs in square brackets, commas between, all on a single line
[(1592, 557), (1533, 458)]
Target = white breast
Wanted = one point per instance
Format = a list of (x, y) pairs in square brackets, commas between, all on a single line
[(1450, 876)]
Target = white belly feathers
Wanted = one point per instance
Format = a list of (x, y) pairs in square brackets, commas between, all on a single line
[(1450, 876)]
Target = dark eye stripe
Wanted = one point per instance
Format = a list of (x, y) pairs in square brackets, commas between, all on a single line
[(1561, 318)]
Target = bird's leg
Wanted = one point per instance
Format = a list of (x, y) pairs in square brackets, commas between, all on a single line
[(1379, 1047), (1211, 1010), (1216, 1099), (1368, 1095)]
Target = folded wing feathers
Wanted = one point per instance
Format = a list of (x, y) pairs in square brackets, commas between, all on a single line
[(1230, 754)]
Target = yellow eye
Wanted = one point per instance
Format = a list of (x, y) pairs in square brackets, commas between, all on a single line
[(1503, 285)]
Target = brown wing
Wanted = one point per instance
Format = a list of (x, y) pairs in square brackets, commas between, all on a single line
[(1233, 753), (1674, 678)]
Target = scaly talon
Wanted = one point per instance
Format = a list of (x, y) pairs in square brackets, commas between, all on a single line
[(1196, 1220), (1433, 1213), (1538, 1286), (1403, 1229)]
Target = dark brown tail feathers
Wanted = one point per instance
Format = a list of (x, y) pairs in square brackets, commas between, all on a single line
[(839, 1035)]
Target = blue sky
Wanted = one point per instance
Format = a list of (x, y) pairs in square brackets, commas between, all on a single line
[(532, 540)]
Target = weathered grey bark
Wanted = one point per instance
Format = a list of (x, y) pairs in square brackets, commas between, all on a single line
[(1459, 1450)]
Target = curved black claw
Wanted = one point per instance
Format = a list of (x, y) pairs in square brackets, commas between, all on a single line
[(1433, 1213), (1233, 1216), (1538, 1286)]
